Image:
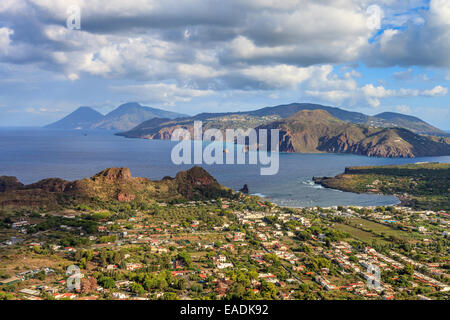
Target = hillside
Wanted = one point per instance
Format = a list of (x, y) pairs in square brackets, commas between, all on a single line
[(311, 131), (163, 128), (318, 131), (412, 123), (129, 115), (385, 120), (125, 117), (422, 186), (114, 185), (82, 118), (252, 119)]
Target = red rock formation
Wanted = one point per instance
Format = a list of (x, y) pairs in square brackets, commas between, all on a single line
[(124, 197)]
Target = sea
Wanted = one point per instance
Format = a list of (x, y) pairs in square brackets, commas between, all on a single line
[(32, 154)]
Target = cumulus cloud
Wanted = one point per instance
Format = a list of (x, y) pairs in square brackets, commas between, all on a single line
[(403, 109), (150, 39), (372, 95), (181, 50), (168, 94), (436, 91), (297, 32), (5, 40), (426, 44), (404, 75), (279, 76)]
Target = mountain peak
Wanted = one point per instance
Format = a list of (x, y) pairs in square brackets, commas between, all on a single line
[(395, 115), (124, 117), (313, 131), (82, 118), (113, 175), (312, 114), (196, 175), (410, 122), (85, 108), (129, 105)]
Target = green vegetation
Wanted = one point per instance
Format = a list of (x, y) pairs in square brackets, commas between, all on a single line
[(223, 247), (421, 186)]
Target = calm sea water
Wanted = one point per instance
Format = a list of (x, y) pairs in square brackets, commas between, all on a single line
[(34, 154)]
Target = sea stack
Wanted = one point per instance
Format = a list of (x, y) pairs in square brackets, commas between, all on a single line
[(244, 189)]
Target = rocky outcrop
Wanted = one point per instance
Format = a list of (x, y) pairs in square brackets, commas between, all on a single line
[(244, 189), (51, 185), (9, 183), (113, 175), (197, 182), (114, 184), (125, 197)]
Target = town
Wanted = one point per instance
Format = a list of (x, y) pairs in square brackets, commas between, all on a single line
[(241, 248)]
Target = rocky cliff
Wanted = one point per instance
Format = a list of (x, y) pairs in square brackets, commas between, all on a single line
[(318, 131), (111, 185)]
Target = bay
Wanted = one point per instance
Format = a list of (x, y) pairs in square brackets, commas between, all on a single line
[(32, 154)]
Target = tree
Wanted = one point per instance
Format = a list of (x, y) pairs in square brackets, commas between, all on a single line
[(253, 274), (107, 282), (408, 270), (197, 288), (82, 263), (179, 284), (88, 285), (304, 287), (186, 258), (137, 288), (236, 292), (170, 296), (268, 290)]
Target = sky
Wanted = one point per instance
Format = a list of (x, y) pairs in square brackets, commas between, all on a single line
[(193, 56)]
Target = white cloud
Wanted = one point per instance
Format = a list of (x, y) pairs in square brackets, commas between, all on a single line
[(40, 110), (371, 94), (5, 40), (73, 76), (336, 96), (377, 92), (198, 71), (160, 92), (403, 109), (194, 48), (404, 75), (12, 5), (280, 76), (426, 44), (436, 91)]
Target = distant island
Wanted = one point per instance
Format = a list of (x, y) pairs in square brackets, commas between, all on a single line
[(124, 117), (304, 128), (424, 186), (308, 128)]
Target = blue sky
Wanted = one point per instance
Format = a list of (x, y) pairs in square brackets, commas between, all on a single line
[(195, 56)]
